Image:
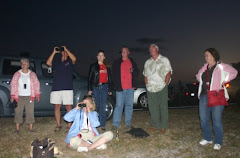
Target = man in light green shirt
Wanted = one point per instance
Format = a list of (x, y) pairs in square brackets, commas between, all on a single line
[(157, 73)]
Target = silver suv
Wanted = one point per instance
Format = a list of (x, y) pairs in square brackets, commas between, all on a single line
[(9, 65)]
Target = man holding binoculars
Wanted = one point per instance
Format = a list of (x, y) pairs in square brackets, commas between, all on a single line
[(61, 60)]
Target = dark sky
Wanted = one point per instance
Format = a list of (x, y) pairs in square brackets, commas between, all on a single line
[(182, 29)]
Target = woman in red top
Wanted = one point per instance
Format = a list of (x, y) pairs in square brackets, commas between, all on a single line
[(99, 85)]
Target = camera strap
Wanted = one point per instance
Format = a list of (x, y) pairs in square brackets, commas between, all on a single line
[(87, 121)]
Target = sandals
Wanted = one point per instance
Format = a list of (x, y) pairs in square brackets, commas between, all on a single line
[(57, 129), (16, 131)]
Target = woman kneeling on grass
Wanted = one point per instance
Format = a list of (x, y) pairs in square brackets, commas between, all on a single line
[(83, 134)]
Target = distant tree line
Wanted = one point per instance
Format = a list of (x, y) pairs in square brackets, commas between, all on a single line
[(237, 67)]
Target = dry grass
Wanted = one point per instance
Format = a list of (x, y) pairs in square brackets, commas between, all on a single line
[(180, 140)]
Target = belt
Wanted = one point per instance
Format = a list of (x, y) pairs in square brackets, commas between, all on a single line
[(102, 84)]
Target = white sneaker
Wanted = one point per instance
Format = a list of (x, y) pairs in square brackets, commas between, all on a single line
[(205, 142), (217, 147), (81, 149), (102, 147)]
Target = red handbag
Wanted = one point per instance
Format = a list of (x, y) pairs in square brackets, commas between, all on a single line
[(216, 97)]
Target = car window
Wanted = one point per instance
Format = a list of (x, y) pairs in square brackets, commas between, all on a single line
[(10, 66), (46, 70)]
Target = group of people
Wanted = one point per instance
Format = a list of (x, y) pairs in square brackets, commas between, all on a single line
[(90, 114)]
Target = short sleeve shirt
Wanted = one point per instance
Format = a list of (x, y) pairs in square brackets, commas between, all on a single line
[(156, 71), (126, 75), (62, 75), (102, 74)]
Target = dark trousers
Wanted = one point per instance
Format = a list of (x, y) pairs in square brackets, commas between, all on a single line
[(158, 108)]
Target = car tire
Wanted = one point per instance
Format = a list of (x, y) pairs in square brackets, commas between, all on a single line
[(237, 97), (142, 101), (109, 108), (1, 108)]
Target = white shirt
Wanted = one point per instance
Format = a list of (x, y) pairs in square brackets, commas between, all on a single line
[(156, 71), (24, 80), (86, 122)]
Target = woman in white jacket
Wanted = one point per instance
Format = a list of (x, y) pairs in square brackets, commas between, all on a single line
[(218, 75)]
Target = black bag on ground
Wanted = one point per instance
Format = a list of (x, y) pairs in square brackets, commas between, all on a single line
[(13, 105), (42, 149), (138, 133)]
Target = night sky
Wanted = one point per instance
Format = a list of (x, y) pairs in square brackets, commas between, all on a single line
[(182, 29)]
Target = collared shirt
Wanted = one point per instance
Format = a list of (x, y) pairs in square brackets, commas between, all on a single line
[(156, 71)]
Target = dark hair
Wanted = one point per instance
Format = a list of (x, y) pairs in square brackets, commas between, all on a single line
[(124, 47), (104, 61), (214, 53)]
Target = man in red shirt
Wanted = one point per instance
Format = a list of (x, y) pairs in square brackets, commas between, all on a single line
[(124, 75)]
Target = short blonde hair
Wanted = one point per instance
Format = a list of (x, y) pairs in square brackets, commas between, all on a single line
[(91, 101)]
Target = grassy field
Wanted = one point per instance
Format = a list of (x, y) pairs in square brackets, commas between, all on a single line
[(180, 140)]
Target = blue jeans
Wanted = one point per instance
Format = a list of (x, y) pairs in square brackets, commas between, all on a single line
[(100, 95), (216, 113), (124, 97)]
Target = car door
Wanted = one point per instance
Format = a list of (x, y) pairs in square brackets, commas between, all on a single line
[(5, 79), (45, 76)]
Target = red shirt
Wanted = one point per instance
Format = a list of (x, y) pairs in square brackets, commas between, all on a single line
[(102, 74), (126, 75)]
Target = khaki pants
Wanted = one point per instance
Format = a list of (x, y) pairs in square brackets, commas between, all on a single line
[(76, 141), (24, 102)]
